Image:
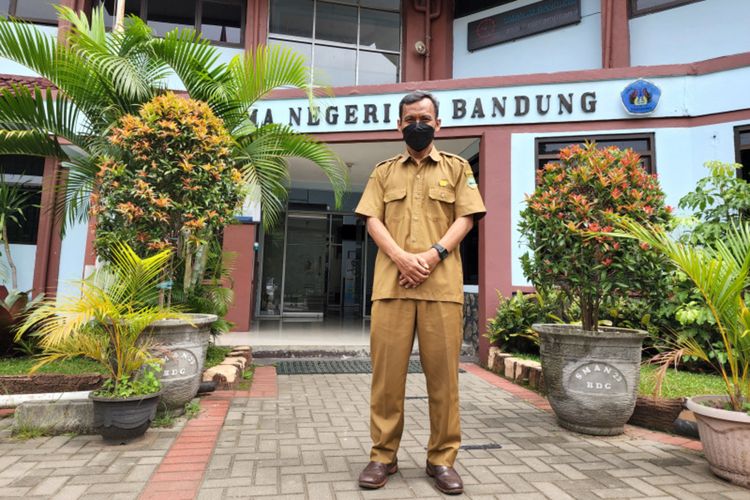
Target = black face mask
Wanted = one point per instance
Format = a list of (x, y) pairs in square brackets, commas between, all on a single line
[(418, 135)]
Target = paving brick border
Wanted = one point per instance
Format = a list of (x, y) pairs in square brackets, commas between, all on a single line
[(542, 403), (181, 473)]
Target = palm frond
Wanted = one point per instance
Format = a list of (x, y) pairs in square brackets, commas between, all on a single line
[(194, 60), (29, 142), (75, 190), (262, 158), (25, 44), (43, 113)]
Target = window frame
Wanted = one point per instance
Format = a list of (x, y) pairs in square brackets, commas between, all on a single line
[(634, 11), (32, 181), (13, 4), (357, 47), (739, 148), (198, 15), (580, 139)]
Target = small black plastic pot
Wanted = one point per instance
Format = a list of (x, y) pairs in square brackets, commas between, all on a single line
[(120, 420)]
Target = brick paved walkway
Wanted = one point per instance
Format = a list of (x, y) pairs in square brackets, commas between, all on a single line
[(307, 437)]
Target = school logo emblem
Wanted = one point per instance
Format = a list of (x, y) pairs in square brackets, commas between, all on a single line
[(640, 97)]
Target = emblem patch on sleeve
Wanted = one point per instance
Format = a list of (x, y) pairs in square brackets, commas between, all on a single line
[(471, 182)]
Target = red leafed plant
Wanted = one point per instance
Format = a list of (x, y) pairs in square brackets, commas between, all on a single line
[(566, 220)]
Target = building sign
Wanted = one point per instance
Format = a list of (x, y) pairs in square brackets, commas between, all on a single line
[(521, 22), (179, 363), (564, 102), (482, 107), (640, 97), (597, 378)]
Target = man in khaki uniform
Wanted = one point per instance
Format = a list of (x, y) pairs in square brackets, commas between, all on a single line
[(419, 206)]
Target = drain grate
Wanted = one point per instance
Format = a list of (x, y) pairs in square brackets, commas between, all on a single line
[(486, 446), (322, 366)]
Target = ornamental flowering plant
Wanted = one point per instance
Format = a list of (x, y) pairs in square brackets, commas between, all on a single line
[(170, 183), (566, 224)]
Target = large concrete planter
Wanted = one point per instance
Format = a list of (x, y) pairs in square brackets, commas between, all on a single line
[(725, 436), (182, 345), (591, 378)]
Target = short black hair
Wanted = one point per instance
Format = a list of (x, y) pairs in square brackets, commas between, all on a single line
[(417, 96)]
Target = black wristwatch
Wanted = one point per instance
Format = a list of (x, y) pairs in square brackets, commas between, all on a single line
[(442, 252)]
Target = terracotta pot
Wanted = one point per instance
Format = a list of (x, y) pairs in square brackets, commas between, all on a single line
[(725, 436), (591, 378)]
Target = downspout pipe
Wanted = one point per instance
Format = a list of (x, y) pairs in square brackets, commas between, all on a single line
[(425, 7)]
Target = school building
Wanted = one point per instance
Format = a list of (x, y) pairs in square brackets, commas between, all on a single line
[(516, 79)]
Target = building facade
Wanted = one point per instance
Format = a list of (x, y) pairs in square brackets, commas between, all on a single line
[(517, 80)]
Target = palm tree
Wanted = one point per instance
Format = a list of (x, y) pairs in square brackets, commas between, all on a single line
[(722, 276), (99, 77), (106, 323)]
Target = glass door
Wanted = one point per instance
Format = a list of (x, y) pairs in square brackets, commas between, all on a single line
[(316, 264), (306, 264)]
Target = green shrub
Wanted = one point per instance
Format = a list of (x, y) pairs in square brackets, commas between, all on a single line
[(566, 221)]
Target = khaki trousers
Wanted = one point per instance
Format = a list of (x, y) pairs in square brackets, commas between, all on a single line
[(439, 326)]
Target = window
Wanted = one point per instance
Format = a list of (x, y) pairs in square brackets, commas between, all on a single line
[(36, 11), (643, 7), (742, 150), (220, 21), (548, 148), (347, 42), (28, 171)]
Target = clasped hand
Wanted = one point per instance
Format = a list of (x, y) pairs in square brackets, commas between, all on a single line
[(415, 268)]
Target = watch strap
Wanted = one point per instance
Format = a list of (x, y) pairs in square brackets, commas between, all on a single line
[(442, 252)]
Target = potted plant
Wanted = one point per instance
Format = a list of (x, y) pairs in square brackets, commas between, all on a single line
[(171, 183), (106, 324), (721, 274), (591, 372)]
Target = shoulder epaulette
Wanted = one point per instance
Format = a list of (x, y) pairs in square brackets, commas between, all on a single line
[(389, 160), (452, 155)]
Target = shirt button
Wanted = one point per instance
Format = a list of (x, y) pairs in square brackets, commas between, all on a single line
[(419, 177), (416, 218)]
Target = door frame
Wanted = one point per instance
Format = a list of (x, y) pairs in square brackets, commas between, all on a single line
[(328, 215)]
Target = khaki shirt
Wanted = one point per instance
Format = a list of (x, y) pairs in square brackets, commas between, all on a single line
[(418, 202)]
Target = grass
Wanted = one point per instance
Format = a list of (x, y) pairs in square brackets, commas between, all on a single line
[(75, 366), (247, 378), (24, 432), (192, 409), (215, 354), (163, 419), (680, 383)]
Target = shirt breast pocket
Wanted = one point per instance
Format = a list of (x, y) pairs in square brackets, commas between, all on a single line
[(395, 204), (443, 199)]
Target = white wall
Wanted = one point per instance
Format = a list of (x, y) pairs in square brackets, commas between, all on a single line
[(680, 155), (71, 261), (693, 32), (23, 257), (574, 47)]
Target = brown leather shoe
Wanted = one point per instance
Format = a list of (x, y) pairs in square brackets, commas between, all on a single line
[(375, 475), (446, 478)]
